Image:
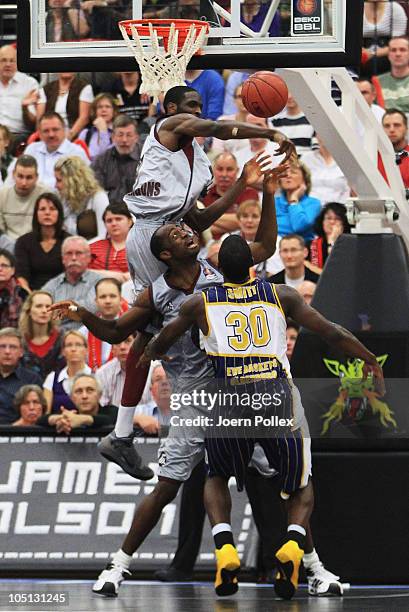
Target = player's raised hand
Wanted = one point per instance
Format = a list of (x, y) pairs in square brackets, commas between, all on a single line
[(272, 178), (67, 309), (286, 147), (255, 167)]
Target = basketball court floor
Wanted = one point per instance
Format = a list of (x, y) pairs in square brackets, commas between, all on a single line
[(199, 597)]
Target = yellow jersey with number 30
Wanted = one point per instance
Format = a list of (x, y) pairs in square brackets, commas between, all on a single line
[(246, 338)]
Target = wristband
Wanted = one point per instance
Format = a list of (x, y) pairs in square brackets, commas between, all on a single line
[(73, 308)]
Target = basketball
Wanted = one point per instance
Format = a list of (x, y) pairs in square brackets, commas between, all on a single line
[(264, 94)]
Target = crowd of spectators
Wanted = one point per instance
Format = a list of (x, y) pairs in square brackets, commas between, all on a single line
[(70, 145)]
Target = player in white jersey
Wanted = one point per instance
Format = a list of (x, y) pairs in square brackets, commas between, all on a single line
[(174, 171), (244, 323)]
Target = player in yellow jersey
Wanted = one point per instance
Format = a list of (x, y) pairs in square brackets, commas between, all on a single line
[(244, 324)]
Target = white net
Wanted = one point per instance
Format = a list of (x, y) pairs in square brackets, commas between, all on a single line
[(163, 68)]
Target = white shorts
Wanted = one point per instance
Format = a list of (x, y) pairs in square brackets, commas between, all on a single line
[(183, 449), (144, 268)]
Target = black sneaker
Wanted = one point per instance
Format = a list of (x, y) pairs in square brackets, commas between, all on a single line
[(123, 452), (171, 574)]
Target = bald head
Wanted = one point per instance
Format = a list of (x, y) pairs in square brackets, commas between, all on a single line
[(8, 63), (307, 290)]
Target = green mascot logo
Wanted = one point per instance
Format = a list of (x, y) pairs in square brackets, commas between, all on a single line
[(356, 395)]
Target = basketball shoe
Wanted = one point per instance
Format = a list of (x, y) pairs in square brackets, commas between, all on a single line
[(288, 559), (123, 452), (110, 580), (227, 568), (322, 582)]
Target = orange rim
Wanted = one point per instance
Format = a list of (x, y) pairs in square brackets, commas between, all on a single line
[(162, 27)]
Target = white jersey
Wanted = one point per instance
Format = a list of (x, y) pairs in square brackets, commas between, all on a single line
[(168, 183)]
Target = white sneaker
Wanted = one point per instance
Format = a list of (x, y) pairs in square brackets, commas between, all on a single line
[(110, 580), (323, 582)]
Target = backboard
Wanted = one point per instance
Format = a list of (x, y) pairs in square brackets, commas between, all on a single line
[(83, 35)]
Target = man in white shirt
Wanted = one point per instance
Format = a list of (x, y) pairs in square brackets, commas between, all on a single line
[(368, 91), (17, 201), (52, 145), (111, 375), (108, 306), (16, 90)]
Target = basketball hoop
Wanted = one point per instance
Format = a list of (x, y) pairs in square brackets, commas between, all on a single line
[(163, 67)]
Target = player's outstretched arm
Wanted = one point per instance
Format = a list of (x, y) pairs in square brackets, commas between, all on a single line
[(264, 244), (115, 331), (201, 219), (189, 125), (192, 311), (336, 335)]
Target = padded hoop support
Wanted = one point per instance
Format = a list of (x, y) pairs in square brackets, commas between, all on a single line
[(163, 67)]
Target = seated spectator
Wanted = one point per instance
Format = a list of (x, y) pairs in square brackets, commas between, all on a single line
[(57, 385), (41, 336), (382, 21), (51, 147), (294, 124), (115, 169), (330, 224), (14, 88), (76, 282), (296, 209), (83, 199), (65, 21), (12, 295), (125, 91), (30, 405), (225, 171), (6, 157), (234, 79), (328, 181), (292, 334), (98, 136), (307, 290), (240, 114), (395, 84), (395, 124), (150, 417), (253, 14), (87, 412), (367, 89), (12, 373), (38, 253), (293, 253), (110, 254), (71, 98), (109, 306), (111, 375), (210, 86), (17, 200)]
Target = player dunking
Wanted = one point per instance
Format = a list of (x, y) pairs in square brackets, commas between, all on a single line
[(244, 325), (172, 174)]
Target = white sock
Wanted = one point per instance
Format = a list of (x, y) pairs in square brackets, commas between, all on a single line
[(310, 559), (124, 421), (122, 559), (220, 527), (298, 528)]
